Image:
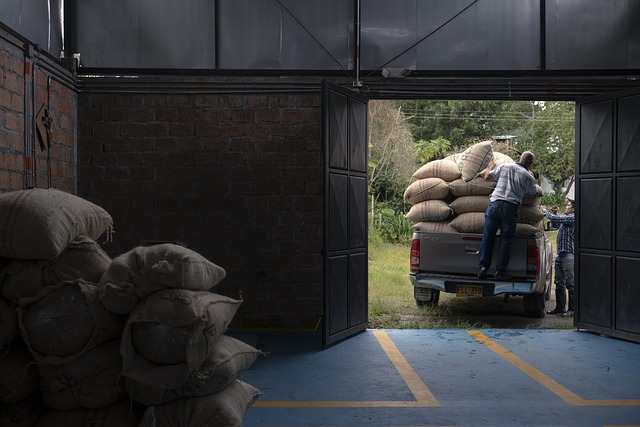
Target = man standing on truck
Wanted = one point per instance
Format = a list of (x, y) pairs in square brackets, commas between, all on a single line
[(514, 180), (564, 261)]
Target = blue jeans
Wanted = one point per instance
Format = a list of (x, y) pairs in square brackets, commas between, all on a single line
[(504, 216), (564, 271)]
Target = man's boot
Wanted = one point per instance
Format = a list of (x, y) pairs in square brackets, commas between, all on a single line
[(561, 300), (570, 308)]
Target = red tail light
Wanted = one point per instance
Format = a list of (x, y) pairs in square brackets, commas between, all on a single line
[(414, 257), (533, 260)]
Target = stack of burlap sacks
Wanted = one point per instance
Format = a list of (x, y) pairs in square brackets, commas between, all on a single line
[(85, 340), (450, 195)]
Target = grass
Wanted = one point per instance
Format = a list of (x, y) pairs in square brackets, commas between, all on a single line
[(391, 302), (392, 305)]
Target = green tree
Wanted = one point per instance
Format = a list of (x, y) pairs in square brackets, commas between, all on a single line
[(462, 123), (550, 134)]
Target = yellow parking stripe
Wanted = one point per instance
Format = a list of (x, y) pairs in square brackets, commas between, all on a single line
[(410, 377), (546, 381), (424, 397)]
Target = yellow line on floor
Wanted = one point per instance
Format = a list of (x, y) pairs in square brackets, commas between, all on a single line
[(342, 404), (546, 381), (410, 377), (424, 398)]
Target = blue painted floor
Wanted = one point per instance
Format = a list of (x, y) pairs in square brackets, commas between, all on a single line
[(446, 377)]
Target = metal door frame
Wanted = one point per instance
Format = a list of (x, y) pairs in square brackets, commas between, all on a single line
[(608, 214), (345, 213)]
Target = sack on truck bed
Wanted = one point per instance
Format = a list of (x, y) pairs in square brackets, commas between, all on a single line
[(429, 210), (40, 224), (426, 189), (148, 269), (473, 160), (446, 169)]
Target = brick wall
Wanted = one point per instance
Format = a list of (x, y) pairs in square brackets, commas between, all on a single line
[(237, 178), (22, 162)]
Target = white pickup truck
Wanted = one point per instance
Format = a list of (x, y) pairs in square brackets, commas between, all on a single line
[(448, 262)]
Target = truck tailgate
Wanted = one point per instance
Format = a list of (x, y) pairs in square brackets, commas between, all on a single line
[(459, 253)]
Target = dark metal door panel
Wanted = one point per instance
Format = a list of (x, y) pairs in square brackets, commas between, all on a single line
[(595, 218), (596, 288), (627, 315), (608, 214), (346, 252)]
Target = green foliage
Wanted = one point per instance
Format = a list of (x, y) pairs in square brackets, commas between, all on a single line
[(392, 226), (463, 123), (550, 134), (430, 149), (552, 199)]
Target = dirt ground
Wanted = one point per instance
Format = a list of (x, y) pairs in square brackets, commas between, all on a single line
[(496, 312)]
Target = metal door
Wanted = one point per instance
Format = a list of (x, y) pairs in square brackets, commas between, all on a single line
[(345, 213), (608, 214)]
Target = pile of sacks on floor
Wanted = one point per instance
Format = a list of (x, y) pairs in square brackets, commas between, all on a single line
[(450, 195), (86, 340)]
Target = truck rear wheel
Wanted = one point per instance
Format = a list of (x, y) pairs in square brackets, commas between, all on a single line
[(533, 305), (426, 297)]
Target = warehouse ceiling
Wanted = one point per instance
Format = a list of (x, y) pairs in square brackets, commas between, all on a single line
[(436, 49)]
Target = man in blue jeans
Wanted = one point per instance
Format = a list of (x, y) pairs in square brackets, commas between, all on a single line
[(564, 261), (514, 180)]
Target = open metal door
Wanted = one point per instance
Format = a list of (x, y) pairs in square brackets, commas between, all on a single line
[(608, 214), (345, 212)]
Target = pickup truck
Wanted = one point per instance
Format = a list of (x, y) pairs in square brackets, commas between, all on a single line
[(448, 262)]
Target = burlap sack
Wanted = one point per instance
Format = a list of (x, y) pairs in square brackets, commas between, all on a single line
[(500, 158), (226, 408), (82, 259), (120, 414), (62, 322), (532, 200), (8, 322), (148, 269), (476, 187), (25, 413), (435, 227), (530, 215), (470, 222), (473, 222), (170, 334), (18, 374), (528, 229), (466, 204), (429, 210), (445, 169), (474, 159), (229, 358), (91, 381), (40, 224), (426, 189)]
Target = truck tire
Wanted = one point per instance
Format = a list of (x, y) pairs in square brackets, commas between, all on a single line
[(533, 305), (426, 297)]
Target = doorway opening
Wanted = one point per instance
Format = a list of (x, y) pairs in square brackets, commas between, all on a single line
[(407, 135)]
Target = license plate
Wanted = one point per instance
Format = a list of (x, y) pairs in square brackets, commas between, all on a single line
[(468, 291)]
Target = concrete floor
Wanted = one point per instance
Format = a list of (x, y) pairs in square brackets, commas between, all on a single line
[(446, 377)]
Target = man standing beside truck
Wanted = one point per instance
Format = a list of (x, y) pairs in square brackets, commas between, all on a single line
[(514, 180), (564, 261)]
